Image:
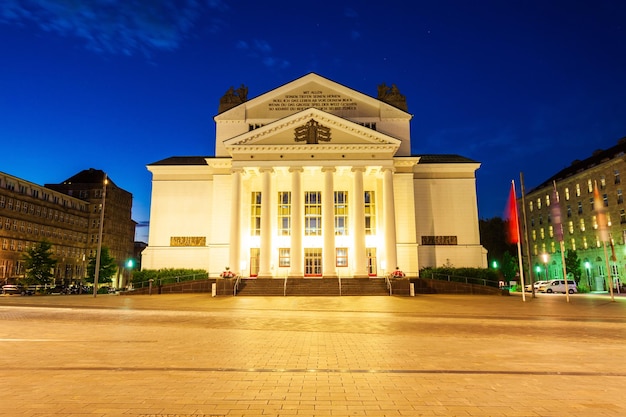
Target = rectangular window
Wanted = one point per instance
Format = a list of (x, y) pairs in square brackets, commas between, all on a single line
[(284, 213), (370, 212), (602, 182), (341, 213), (539, 204), (547, 200), (573, 244), (582, 225), (589, 186), (620, 197), (566, 193), (313, 213), (569, 211), (284, 257), (342, 257), (617, 179), (605, 199), (622, 216), (255, 213), (577, 190)]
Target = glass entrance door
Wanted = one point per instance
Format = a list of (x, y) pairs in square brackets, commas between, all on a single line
[(254, 261), (371, 262), (313, 262)]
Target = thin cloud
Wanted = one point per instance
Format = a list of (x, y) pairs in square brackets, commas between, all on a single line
[(114, 26), (262, 50)]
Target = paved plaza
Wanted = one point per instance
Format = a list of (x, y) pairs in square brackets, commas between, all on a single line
[(430, 355)]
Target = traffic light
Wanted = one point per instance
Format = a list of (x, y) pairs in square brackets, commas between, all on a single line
[(130, 263)]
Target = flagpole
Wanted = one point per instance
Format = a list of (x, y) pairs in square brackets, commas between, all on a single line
[(519, 246), (603, 232), (558, 226), (526, 237)]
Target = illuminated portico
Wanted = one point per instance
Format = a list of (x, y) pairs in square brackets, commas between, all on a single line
[(314, 179)]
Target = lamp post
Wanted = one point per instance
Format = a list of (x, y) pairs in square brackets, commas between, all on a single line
[(97, 268)]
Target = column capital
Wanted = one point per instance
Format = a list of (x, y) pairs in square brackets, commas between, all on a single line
[(266, 169), (358, 169), (237, 170), (384, 169), (329, 169), (296, 169)]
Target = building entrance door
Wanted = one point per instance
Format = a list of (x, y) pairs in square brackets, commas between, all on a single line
[(313, 262), (371, 262), (254, 261)]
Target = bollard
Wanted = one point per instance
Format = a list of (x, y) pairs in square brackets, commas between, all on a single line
[(412, 289), (213, 289)]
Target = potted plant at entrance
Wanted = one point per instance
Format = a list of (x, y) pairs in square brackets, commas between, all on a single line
[(227, 273)]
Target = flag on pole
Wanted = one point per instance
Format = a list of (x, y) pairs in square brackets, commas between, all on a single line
[(512, 227), (555, 212), (600, 210)]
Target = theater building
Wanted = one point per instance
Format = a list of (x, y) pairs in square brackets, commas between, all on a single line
[(313, 179)]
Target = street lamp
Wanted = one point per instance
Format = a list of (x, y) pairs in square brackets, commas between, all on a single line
[(545, 263), (97, 270), (588, 268)]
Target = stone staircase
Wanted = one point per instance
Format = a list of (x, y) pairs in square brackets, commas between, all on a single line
[(313, 287)]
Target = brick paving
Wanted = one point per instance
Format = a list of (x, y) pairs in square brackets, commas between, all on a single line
[(193, 355)]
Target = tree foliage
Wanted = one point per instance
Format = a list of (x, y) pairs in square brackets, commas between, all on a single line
[(107, 269), (493, 238), (39, 263), (509, 267), (572, 265)]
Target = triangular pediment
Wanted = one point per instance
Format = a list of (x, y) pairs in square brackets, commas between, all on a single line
[(312, 130), (313, 91)]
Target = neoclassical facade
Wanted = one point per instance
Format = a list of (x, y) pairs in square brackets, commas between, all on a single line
[(313, 179)]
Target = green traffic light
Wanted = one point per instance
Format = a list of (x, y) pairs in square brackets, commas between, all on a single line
[(130, 263)]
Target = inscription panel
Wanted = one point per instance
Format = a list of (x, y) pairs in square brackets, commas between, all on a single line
[(439, 240), (187, 241), (298, 101)]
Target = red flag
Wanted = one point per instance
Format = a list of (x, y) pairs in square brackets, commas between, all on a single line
[(555, 212), (512, 218), (600, 210)]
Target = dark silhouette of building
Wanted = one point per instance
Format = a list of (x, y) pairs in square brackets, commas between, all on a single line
[(118, 232)]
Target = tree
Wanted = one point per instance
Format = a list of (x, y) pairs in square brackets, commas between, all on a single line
[(39, 263), (108, 266), (509, 266), (572, 265), (493, 238)]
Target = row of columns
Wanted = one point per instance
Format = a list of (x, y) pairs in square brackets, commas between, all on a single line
[(297, 222)]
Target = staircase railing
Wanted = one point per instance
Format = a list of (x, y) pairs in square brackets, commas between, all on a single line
[(236, 286), (285, 287), (388, 282), (339, 278)]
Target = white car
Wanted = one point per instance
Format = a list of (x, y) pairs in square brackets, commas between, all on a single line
[(537, 284), (558, 285)]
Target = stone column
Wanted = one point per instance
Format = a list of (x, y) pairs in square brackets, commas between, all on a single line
[(329, 269), (265, 261), (234, 259), (389, 214), (297, 223), (358, 217)]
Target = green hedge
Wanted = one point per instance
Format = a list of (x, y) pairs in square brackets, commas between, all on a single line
[(166, 274)]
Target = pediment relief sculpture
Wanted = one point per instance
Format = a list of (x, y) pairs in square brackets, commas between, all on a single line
[(312, 132)]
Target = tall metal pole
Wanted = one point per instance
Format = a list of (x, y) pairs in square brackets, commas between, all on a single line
[(97, 269)]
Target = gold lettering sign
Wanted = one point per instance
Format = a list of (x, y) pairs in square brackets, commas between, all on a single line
[(439, 240), (187, 241)]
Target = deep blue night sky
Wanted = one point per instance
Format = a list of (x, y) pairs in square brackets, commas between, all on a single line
[(521, 86)]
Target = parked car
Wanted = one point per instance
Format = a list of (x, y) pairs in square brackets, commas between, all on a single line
[(537, 284), (558, 285), (16, 289)]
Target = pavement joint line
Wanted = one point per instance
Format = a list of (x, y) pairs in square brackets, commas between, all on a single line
[(319, 370)]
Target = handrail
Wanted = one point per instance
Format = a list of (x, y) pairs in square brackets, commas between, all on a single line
[(285, 287), (339, 278), (388, 282), (236, 286)]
